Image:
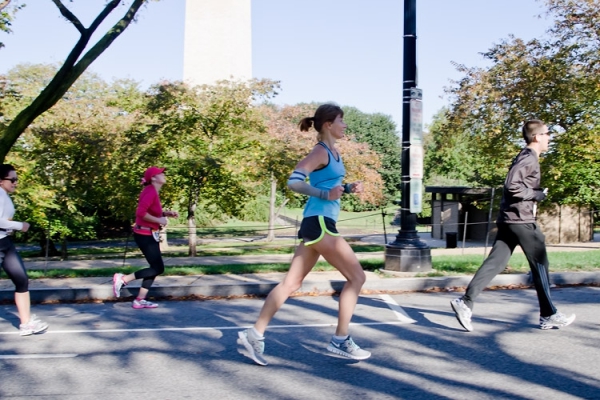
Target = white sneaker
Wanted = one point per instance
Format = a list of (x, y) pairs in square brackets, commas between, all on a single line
[(140, 304), (348, 348), (254, 345), (117, 284), (33, 326), (463, 313), (557, 320)]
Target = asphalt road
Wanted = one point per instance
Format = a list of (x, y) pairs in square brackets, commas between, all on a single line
[(188, 350)]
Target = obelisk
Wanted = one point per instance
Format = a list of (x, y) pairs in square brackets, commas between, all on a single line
[(218, 41)]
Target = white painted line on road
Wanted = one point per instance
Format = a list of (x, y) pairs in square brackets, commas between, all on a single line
[(395, 307), (204, 328), (35, 356)]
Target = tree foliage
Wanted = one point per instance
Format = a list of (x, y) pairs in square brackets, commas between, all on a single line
[(8, 10), (289, 145), (448, 158), (554, 79), (70, 70), (67, 159), (379, 132)]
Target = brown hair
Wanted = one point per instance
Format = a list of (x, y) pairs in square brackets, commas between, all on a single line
[(530, 129), (325, 113), (5, 169)]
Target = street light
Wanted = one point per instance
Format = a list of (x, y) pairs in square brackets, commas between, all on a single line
[(408, 252)]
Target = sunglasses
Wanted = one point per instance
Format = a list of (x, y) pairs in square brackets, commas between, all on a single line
[(13, 180)]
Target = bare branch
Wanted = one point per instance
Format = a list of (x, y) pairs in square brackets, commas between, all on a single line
[(69, 16), (109, 37), (86, 35), (107, 10), (4, 4), (70, 71)]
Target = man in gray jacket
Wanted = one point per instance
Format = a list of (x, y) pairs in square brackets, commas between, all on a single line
[(517, 226)]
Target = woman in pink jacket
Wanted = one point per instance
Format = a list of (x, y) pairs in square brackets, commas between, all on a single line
[(149, 217)]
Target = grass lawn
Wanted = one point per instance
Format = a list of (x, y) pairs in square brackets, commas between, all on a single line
[(232, 243), (218, 249), (442, 266)]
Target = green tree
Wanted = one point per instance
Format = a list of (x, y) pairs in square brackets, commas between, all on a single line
[(289, 145), (7, 15), (447, 159), (71, 69), (379, 132), (554, 79), (207, 137), (69, 155)]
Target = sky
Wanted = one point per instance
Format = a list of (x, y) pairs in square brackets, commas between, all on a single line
[(345, 51)]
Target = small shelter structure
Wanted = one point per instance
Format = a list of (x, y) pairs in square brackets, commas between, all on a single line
[(457, 214)]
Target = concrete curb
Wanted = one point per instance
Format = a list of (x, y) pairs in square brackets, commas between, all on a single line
[(103, 292)]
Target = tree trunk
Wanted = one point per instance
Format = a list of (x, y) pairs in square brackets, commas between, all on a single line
[(164, 244), (64, 254), (48, 248), (191, 223), (271, 235)]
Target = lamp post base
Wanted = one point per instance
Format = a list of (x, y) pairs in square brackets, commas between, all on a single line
[(408, 254)]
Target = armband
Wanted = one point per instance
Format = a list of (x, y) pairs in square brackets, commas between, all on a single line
[(297, 183)]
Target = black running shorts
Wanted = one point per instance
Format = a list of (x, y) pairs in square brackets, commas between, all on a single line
[(313, 229)]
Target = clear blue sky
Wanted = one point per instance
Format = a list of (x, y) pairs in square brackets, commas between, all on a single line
[(347, 51)]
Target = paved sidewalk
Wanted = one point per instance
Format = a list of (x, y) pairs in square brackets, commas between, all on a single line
[(100, 289)]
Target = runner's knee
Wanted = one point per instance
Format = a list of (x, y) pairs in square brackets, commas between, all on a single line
[(290, 286)]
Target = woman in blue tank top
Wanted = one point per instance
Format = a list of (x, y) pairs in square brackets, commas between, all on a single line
[(319, 236)]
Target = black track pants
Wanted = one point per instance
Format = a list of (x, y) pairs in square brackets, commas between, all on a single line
[(532, 241)]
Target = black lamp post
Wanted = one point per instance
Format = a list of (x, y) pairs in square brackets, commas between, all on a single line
[(408, 252)]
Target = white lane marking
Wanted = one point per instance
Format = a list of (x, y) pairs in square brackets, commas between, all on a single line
[(395, 307), (205, 328), (34, 356)]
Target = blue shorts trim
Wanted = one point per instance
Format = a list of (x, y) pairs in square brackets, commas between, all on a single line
[(313, 229)]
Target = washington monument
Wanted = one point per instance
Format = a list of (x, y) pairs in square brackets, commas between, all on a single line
[(218, 41)]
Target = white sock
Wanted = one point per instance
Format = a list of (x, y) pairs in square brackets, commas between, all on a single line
[(255, 333), (340, 339)]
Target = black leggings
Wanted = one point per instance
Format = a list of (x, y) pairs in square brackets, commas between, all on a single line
[(13, 265), (151, 250)]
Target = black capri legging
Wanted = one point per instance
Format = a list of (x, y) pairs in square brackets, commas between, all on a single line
[(13, 265), (151, 250)]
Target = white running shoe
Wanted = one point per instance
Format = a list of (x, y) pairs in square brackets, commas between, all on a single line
[(557, 320), (463, 313), (254, 345), (33, 326), (348, 348), (139, 304), (117, 284)]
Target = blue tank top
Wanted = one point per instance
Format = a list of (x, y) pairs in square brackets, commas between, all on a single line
[(326, 178)]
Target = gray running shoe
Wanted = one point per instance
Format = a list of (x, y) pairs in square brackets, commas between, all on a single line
[(463, 313), (557, 320), (348, 348), (33, 326), (255, 346)]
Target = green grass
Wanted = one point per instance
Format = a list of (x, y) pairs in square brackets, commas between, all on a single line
[(228, 249), (172, 271), (559, 262), (442, 266)]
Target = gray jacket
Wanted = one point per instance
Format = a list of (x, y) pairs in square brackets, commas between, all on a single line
[(521, 189)]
